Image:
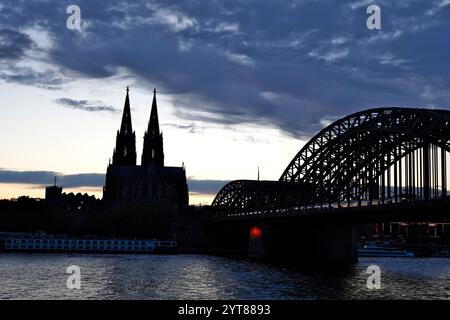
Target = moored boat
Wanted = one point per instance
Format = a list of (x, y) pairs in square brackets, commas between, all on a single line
[(85, 245), (382, 251)]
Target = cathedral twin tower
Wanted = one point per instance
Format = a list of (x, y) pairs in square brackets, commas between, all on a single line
[(151, 183), (125, 151)]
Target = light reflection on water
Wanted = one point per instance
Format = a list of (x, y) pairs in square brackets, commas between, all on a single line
[(42, 276)]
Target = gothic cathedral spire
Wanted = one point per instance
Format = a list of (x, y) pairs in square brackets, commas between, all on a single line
[(153, 140), (125, 151)]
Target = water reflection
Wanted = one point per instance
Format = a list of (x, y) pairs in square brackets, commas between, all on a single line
[(42, 276)]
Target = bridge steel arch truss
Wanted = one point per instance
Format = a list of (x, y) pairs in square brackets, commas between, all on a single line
[(257, 196), (382, 155), (398, 154)]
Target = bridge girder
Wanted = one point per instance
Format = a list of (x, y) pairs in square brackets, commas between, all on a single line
[(255, 195), (365, 144), (346, 160)]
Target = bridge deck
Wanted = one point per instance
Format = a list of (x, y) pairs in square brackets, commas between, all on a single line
[(408, 211)]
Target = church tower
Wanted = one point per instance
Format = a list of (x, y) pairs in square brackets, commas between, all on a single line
[(150, 184), (125, 151), (153, 140)]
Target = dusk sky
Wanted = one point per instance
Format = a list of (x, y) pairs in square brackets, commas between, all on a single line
[(241, 84)]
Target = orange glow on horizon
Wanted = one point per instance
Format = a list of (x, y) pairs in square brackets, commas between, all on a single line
[(15, 190)]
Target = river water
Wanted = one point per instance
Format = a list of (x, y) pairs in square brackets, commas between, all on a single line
[(43, 276)]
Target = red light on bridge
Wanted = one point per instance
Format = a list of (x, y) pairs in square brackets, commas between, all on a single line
[(255, 232)]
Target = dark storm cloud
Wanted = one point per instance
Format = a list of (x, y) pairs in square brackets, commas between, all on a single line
[(191, 128), (47, 178), (42, 178), (85, 105), (82, 180), (206, 186), (30, 177), (13, 44), (46, 79), (291, 64)]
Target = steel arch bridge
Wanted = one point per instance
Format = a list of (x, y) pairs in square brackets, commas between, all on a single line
[(254, 195), (383, 155)]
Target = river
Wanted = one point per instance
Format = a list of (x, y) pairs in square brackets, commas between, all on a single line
[(43, 276)]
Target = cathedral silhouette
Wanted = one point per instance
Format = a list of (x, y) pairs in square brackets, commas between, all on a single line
[(150, 183)]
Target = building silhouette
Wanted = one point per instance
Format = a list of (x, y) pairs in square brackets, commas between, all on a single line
[(150, 183), (75, 203), (53, 193)]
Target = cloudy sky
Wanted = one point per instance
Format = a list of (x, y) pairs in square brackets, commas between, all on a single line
[(241, 84)]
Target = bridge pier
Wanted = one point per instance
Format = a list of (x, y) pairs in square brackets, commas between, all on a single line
[(306, 245), (260, 243)]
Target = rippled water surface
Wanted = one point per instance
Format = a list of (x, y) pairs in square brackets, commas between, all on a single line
[(43, 276)]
